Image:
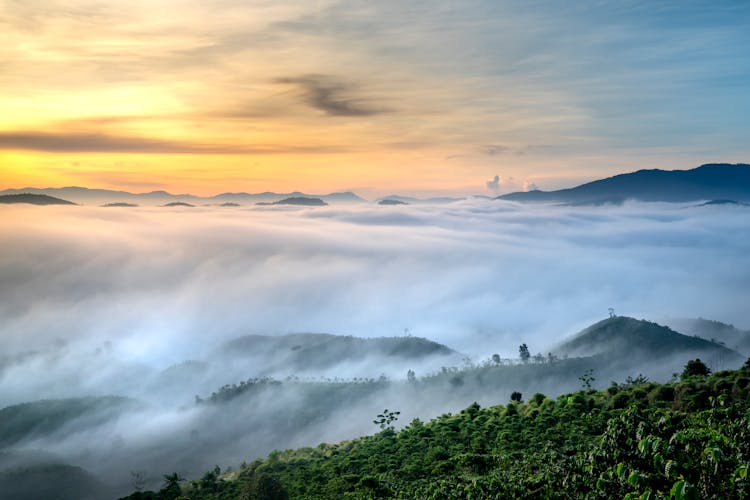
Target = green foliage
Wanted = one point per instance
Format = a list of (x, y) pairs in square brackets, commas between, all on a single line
[(695, 367), (641, 440), (385, 419), (523, 353), (587, 378), (29, 420)]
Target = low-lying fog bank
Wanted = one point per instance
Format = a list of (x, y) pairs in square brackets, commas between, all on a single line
[(144, 305)]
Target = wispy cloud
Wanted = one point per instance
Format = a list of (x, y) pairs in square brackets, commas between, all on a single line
[(104, 143), (332, 96)]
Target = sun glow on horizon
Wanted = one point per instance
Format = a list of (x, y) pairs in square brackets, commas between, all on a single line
[(201, 97)]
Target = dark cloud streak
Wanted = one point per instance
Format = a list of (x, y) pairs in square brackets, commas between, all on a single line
[(76, 142), (330, 96)]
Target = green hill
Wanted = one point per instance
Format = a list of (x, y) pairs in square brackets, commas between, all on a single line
[(625, 336), (27, 421), (715, 331), (304, 351), (33, 199), (686, 439), (49, 481)]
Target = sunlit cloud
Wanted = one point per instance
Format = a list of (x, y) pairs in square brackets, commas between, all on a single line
[(469, 87)]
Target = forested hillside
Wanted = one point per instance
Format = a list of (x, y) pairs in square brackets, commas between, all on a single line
[(685, 439)]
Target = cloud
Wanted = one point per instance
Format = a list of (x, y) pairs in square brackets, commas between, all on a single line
[(326, 94), (75, 142), (98, 301), (494, 184), (493, 149)]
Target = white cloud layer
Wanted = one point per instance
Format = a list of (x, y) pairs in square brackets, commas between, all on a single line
[(98, 301)]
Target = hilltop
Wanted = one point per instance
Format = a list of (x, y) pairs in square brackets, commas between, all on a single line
[(179, 204), (623, 335), (297, 200), (714, 181), (33, 199), (310, 351), (26, 421), (620, 345)]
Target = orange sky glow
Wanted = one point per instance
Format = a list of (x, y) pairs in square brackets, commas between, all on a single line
[(209, 97)]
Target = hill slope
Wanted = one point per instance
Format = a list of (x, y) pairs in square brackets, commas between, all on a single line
[(707, 182), (26, 421), (638, 441), (728, 335), (625, 336), (33, 199), (305, 351)]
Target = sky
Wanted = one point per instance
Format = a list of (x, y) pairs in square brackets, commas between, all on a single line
[(440, 97)]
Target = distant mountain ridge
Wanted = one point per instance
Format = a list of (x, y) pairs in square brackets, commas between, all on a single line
[(33, 199), (725, 334), (83, 195), (713, 181), (297, 200), (621, 340)]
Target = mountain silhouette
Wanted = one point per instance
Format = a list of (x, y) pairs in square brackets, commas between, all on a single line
[(33, 199), (625, 340), (297, 200), (714, 181), (85, 195)]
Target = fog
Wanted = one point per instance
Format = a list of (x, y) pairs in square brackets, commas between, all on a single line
[(102, 301)]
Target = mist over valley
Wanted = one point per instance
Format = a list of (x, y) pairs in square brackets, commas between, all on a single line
[(154, 340)]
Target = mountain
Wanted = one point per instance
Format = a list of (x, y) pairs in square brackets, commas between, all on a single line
[(26, 421), (628, 342), (389, 201), (179, 204), (345, 197), (49, 480), (714, 181), (305, 351), (33, 199), (410, 200), (297, 200), (89, 196), (715, 331), (121, 204)]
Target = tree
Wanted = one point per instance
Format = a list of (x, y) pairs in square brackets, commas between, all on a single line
[(496, 359), (695, 367), (171, 489), (516, 396), (385, 419), (262, 486), (411, 376), (587, 378), (138, 479), (523, 352)]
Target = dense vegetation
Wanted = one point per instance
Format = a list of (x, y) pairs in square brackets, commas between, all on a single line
[(685, 439), (29, 420)]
